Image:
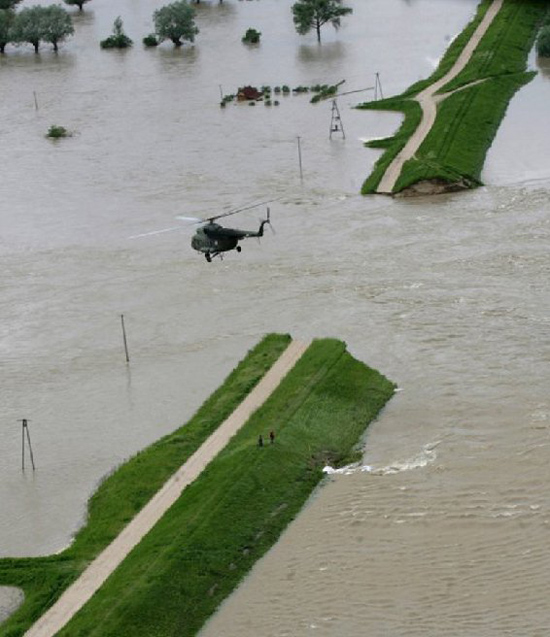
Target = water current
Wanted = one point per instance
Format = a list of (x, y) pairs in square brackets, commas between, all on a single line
[(444, 528)]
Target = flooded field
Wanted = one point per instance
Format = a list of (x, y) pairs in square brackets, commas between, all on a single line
[(445, 529)]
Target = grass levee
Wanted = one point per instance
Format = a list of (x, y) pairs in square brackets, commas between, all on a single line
[(128, 489), (474, 103), (236, 510)]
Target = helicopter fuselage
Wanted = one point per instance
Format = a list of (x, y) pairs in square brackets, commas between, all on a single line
[(212, 238)]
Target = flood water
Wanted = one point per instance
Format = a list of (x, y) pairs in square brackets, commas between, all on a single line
[(444, 529)]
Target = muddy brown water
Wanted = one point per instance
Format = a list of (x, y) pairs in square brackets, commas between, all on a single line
[(444, 528)]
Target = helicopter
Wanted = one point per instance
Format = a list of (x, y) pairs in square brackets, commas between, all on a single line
[(212, 239)]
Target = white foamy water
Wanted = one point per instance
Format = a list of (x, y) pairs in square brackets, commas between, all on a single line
[(420, 460), (443, 529)]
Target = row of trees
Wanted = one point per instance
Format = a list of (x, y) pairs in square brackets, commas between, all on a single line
[(11, 4), (36, 24), (174, 22)]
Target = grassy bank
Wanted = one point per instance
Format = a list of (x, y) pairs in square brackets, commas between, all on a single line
[(469, 116), (126, 491), (235, 511)]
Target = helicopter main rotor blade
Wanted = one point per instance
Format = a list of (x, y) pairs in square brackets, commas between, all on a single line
[(148, 234), (190, 219), (249, 207)]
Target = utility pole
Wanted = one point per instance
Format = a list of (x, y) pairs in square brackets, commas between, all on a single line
[(336, 124), (25, 430), (300, 159), (124, 338)]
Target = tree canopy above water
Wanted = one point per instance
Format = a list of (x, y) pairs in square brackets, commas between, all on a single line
[(6, 21), (175, 22), (543, 42), (36, 24), (9, 4), (313, 14), (78, 3), (56, 25)]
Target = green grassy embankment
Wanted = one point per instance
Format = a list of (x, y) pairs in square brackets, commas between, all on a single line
[(468, 118), (236, 510), (127, 490)]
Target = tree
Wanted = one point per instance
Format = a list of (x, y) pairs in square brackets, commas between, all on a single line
[(543, 42), (9, 4), (6, 22), (78, 3), (313, 14), (175, 22), (27, 26), (57, 25), (119, 39), (35, 24)]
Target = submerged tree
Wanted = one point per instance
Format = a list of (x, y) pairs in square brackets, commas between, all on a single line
[(6, 22), (9, 4), (57, 132), (36, 24), (175, 22), (313, 14), (252, 36), (27, 26), (57, 25), (78, 3), (543, 42), (119, 39)]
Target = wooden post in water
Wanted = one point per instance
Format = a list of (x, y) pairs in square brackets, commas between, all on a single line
[(25, 429), (300, 159), (124, 337), (35, 101), (377, 87)]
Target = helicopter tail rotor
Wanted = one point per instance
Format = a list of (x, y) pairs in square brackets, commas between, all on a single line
[(267, 221)]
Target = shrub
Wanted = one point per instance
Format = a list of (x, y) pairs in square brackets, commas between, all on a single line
[(150, 40), (323, 92), (251, 36), (57, 132), (119, 40)]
